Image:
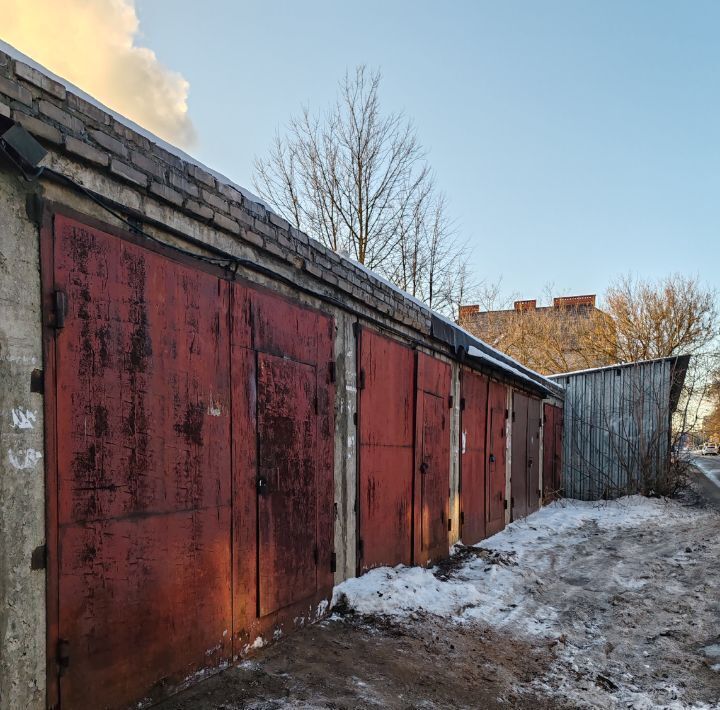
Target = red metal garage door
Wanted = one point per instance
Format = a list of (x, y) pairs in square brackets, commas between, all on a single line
[(143, 471), (174, 540), (432, 460), (283, 384), (385, 413), (472, 446), (496, 438), (519, 474), (533, 454)]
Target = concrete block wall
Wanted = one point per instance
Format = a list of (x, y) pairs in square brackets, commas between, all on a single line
[(22, 450)]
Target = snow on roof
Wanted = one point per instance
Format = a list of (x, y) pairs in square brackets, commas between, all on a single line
[(169, 147)]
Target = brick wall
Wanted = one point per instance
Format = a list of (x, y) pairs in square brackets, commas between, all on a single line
[(68, 124)]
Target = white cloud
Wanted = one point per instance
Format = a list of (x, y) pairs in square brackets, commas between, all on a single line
[(91, 43)]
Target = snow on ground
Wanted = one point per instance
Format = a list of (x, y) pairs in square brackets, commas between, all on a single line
[(497, 589), (616, 589)]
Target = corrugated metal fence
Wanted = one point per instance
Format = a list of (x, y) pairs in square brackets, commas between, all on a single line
[(617, 427)]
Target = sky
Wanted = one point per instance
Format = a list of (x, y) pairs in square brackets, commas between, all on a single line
[(575, 141)]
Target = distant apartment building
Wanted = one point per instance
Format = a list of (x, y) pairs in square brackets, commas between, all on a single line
[(571, 334)]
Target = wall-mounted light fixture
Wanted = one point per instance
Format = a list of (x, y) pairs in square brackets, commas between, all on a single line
[(22, 149)]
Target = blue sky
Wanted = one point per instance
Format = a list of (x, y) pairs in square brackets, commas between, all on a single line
[(575, 141)]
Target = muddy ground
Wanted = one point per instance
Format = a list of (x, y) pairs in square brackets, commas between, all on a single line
[(634, 614)]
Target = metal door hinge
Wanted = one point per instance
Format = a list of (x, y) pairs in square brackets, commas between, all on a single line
[(512, 501), (449, 524), (506, 414), (38, 559), (332, 375), (60, 306), (361, 380), (37, 382), (361, 548), (356, 328), (505, 503), (513, 416), (462, 518), (333, 562), (63, 656), (355, 418), (450, 401), (539, 493), (462, 404)]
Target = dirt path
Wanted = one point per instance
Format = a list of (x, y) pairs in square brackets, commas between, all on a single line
[(589, 613)]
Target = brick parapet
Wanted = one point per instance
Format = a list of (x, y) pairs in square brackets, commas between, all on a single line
[(67, 123)]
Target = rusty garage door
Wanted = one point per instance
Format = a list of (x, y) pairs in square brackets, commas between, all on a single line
[(496, 458), (294, 479), (533, 453), (472, 457), (386, 376), (190, 468), (552, 452), (432, 460), (519, 474), (525, 463), (143, 470)]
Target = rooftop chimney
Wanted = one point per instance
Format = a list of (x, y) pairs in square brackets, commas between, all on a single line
[(465, 311), (529, 305), (574, 301)]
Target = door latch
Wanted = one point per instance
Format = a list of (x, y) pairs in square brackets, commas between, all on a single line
[(424, 467), (263, 487)]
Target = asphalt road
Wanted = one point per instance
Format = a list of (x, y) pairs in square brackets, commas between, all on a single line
[(708, 477), (710, 466)]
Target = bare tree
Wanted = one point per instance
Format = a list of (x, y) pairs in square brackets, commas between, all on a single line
[(673, 316), (357, 181), (546, 339)]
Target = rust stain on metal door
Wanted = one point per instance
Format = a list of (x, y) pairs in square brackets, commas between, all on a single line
[(432, 470), (386, 401), (286, 483), (472, 455), (143, 481), (496, 457), (283, 397)]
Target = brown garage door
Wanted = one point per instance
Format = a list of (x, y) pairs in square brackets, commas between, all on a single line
[(525, 461), (496, 457), (472, 456), (191, 506)]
